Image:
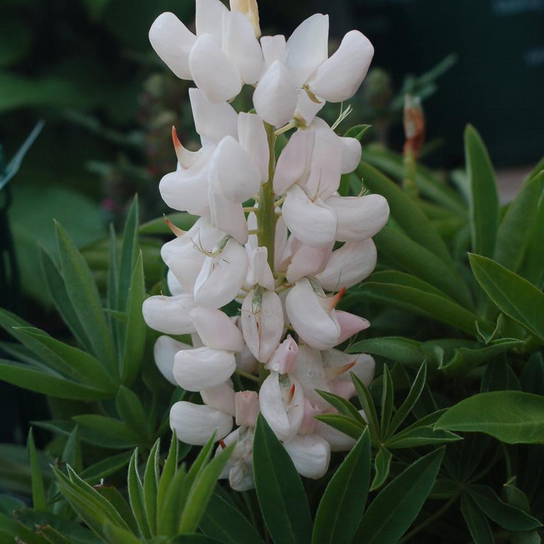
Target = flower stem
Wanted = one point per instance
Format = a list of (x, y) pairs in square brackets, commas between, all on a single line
[(266, 212)]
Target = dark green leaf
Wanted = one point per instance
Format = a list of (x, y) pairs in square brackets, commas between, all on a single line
[(151, 486), (136, 496), (39, 500), (382, 465), (114, 433), (421, 436), (132, 412), (116, 535), (367, 403), (344, 424), (476, 522), (342, 405), (394, 348)]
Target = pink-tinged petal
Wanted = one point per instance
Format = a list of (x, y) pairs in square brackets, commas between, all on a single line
[(172, 41), (339, 78), (252, 137), (209, 18), (313, 223), (216, 329), (274, 49), (308, 107), (262, 322), (281, 241), (337, 440), (318, 328), (310, 454), (275, 98), (164, 351), (309, 422), (247, 408), (259, 272), (310, 373), (359, 218), (282, 405), (234, 172), (169, 314), (213, 121), (307, 48), (342, 365), (222, 276), (227, 215), (220, 397), (350, 324), (307, 261), (284, 358), (195, 424), (295, 161), (203, 368), (343, 388), (242, 47), (351, 156), (212, 71), (348, 265)]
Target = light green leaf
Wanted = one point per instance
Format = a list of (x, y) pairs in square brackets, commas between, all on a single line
[(136, 496), (512, 417), (107, 467), (116, 535), (151, 486), (484, 198), (132, 412), (39, 500), (343, 503)]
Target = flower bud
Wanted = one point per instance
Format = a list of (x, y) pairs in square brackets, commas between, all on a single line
[(333, 81), (359, 218), (247, 408), (310, 454), (216, 329), (169, 314), (164, 353), (203, 368), (283, 359), (262, 322), (318, 327), (220, 397), (282, 405), (251, 10), (195, 424)]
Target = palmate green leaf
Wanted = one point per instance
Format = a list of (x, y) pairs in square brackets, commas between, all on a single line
[(382, 466), (11, 529), (136, 328), (342, 405), (168, 472), (136, 496), (39, 500), (279, 489), (476, 521), (506, 516), (53, 385), (151, 486), (225, 523), (484, 198), (85, 299), (406, 212), (394, 348), (118, 501), (398, 504), (367, 403), (514, 296), (344, 424), (129, 254), (512, 417), (116, 535), (105, 468), (388, 398), (194, 539), (52, 536), (516, 228), (71, 455), (343, 503), (131, 411), (112, 432), (532, 268), (411, 257), (176, 494), (421, 436)]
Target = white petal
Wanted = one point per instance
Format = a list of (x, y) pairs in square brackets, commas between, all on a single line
[(195, 424), (350, 324), (164, 351), (213, 121), (227, 215), (253, 138), (307, 261), (308, 108), (247, 408), (262, 323), (307, 48), (242, 47), (310, 454), (275, 98), (295, 161), (349, 265), (174, 286), (216, 329), (172, 41), (351, 157), (310, 373), (222, 277), (203, 368), (209, 18), (233, 171), (212, 71), (220, 397), (281, 241), (312, 323), (259, 272), (313, 223), (282, 405), (274, 49), (339, 78), (169, 314), (359, 218), (364, 367), (337, 440)]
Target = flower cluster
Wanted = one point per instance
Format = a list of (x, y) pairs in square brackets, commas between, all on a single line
[(286, 257)]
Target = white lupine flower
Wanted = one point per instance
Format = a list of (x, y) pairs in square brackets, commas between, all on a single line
[(306, 260), (259, 272), (250, 9), (169, 314), (310, 454), (247, 408), (310, 373), (164, 352), (239, 468), (221, 397), (284, 358), (350, 324), (174, 286), (195, 424), (216, 329)]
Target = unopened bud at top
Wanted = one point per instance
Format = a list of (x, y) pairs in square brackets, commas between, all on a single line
[(251, 10)]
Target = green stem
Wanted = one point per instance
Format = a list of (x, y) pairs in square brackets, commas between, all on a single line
[(266, 213)]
